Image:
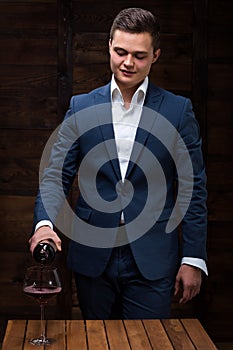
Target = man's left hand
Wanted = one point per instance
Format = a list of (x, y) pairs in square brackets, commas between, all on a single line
[(189, 279)]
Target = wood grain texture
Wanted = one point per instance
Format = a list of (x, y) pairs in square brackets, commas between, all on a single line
[(76, 335), (158, 336), (176, 332), (116, 335), (137, 335), (29, 113), (181, 334), (199, 337), (96, 335)]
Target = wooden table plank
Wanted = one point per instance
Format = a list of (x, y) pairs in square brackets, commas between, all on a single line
[(76, 335), (33, 331), (14, 335), (137, 335), (96, 335), (198, 335), (55, 329), (178, 335), (116, 334), (157, 335)]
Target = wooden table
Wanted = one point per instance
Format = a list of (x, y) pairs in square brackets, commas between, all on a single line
[(186, 334)]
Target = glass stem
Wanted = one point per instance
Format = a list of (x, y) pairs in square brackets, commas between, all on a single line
[(42, 321)]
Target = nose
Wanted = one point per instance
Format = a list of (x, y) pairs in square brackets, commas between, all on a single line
[(129, 61)]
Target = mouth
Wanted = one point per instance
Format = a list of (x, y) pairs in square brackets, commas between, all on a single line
[(127, 73)]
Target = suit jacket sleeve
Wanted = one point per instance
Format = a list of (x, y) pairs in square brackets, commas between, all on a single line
[(58, 176), (194, 223)]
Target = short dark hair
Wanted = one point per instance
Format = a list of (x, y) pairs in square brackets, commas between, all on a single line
[(137, 20)]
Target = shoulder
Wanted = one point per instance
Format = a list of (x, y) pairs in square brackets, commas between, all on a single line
[(178, 110), (165, 94), (168, 101), (91, 98)]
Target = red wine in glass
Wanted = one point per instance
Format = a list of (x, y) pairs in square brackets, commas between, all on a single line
[(43, 294)]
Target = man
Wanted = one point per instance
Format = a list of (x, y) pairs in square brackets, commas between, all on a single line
[(139, 267)]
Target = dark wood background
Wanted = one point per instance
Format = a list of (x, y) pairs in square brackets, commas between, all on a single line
[(50, 50)]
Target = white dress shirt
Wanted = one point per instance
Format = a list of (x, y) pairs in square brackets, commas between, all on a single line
[(125, 121)]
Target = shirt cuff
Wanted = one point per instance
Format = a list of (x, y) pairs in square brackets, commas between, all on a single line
[(200, 263), (43, 223)]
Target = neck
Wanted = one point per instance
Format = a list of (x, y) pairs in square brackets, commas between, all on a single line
[(127, 95)]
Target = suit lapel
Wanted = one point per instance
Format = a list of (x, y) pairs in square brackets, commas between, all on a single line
[(148, 119), (104, 115)]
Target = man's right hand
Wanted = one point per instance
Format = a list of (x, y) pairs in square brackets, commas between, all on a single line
[(44, 233)]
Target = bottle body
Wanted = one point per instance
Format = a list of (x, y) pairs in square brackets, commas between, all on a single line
[(44, 252)]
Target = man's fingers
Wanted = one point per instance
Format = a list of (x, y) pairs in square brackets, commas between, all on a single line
[(44, 233), (177, 286), (188, 294)]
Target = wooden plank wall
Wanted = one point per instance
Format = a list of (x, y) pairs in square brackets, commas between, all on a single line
[(52, 49), (219, 150), (31, 82)]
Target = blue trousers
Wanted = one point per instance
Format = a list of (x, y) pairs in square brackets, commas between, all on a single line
[(121, 292)]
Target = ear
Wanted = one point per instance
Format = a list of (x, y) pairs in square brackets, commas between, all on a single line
[(156, 55), (109, 44)]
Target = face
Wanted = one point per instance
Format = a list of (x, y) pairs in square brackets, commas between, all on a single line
[(131, 57)]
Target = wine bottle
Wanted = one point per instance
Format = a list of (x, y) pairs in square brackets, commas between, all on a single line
[(44, 252)]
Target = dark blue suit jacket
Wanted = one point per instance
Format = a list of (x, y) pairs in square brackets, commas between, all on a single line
[(165, 118)]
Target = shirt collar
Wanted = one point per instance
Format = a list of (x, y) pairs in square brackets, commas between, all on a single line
[(138, 97)]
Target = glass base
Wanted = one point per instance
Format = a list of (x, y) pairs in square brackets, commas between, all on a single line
[(41, 341)]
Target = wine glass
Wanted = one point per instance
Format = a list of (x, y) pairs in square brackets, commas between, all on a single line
[(42, 283)]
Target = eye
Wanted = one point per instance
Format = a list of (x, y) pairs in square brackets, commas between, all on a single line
[(140, 56), (120, 52)]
